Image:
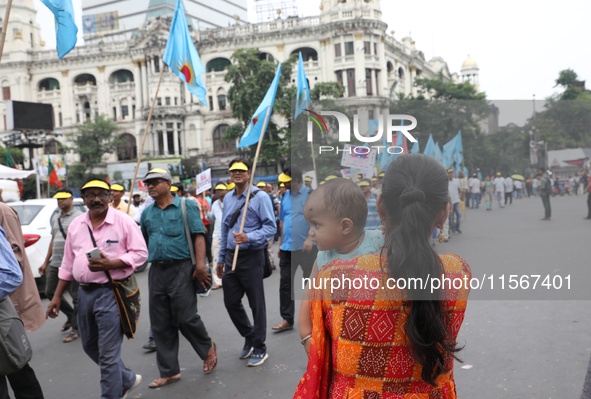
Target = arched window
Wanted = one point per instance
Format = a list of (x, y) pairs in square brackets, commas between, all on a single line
[(53, 147), (127, 148), (49, 84), (389, 67), (84, 79), (222, 145), (308, 53), (266, 56), (218, 64), (121, 76), (400, 73)]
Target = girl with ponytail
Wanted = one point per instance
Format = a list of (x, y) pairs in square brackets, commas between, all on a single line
[(393, 336)]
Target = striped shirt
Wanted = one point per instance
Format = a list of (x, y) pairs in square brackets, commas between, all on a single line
[(59, 241)]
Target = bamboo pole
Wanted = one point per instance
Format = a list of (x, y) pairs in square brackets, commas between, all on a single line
[(5, 26), (141, 151), (254, 166)]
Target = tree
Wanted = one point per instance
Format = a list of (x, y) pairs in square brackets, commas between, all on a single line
[(250, 78), (573, 88), (93, 140)]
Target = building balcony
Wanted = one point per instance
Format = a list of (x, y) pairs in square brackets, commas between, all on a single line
[(165, 111), (122, 87), (44, 95), (85, 90)]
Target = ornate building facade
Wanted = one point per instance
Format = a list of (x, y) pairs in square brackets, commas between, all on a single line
[(347, 43)]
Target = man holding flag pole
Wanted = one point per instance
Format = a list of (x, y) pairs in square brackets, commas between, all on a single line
[(248, 223)]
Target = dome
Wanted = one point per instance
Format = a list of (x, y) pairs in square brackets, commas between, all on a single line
[(469, 63)]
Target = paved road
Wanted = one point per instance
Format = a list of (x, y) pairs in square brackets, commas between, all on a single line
[(516, 348)]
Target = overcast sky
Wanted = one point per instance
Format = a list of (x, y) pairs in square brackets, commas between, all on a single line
[(519, 45)]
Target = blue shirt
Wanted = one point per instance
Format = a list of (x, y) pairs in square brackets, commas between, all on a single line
[(11, 275), (373, 218), (295, 225), (259, 225), (164, 230)]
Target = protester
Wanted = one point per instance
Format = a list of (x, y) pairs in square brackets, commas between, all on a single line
[(508, 190), (122, 249), (416, 329), (247, 277), (13, 277), (117, 193), (173, 304), (295, 247), (489, 189), (454, 193), (474, 188), (217, 209), (499, 183), (60, 221), (137, 206)]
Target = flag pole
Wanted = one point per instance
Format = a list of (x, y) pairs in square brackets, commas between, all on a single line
[(141, 151), (5, 26), (254, 166), (314, 159)]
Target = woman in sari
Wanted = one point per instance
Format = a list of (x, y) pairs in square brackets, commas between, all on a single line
[(390, 329)]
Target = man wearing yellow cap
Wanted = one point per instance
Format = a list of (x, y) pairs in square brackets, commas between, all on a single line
[(122, 249), (247, 278), (308, 183), (117, 193), (295, 248), (60, 222), (217, 210)]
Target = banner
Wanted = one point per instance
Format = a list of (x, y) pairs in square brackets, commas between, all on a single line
[(58, 163), (203, 181), (359, 157)]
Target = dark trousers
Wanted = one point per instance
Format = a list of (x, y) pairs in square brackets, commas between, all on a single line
[(454, 217), (247, 279), (509, 198), (71, 312), (546, 203), (24, 384), (101, 336), (173, 308), (207, 237), (288, 263)]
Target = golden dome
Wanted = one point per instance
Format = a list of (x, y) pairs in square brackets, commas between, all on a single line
[(469, 63)]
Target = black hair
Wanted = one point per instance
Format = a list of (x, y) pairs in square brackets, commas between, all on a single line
[(414, 192), (343, 199), (244, 161), (294, 172), (181, 188)]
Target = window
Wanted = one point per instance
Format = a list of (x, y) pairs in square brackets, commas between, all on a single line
[(368, 82), (127, 148), (370, 114), (367, 48), (124, 111), (340, 77), (159, 101), (217, 64), (377, 82), (210, 102), (176, 101), (349, 48), (6, 93), (167, 100), (222, 145), (60, 119), (375, 48), (160, 143), (222, 102), (156, 64), (114, 113), (337, 50), (351, 82)]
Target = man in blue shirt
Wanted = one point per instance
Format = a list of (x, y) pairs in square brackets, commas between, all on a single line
[(247, 277), (295, 248), (173, 303)]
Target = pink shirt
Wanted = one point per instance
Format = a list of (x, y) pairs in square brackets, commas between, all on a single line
[(118, 237)]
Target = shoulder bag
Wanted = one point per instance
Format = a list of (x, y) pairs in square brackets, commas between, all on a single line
[(15, 348), (199, 289)]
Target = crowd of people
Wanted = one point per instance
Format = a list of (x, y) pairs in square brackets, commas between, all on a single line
[(378, 227)]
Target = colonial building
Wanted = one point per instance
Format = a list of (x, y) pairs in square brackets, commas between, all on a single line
[(348, 43)]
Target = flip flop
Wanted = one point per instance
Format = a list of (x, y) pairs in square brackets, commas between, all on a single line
[(282, 326), (212, 358), (66, 326), (162, 381), (71, 336)]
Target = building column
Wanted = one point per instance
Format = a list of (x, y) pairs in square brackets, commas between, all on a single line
[(139, 95)]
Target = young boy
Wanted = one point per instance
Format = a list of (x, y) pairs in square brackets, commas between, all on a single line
[(337, 213)]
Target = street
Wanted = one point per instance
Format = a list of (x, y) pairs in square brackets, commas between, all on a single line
[(536, 347)]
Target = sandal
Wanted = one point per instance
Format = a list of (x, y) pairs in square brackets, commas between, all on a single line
[(71, 336), (282, 326), (211, 360), (66, 326), (162, 381)]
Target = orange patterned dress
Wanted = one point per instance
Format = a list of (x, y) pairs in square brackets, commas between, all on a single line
[(358, 346)]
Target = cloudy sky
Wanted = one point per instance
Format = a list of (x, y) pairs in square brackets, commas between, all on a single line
[(519, 45)]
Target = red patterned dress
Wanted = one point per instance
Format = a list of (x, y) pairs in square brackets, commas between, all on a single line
[(359, 347)]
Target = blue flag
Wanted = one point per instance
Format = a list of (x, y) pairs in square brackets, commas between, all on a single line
[(303, 93), (430, 147), (254, 131), (65, 25), (415, 148), (181, 55)]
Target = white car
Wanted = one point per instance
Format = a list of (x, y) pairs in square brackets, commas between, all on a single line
[(35, 218)]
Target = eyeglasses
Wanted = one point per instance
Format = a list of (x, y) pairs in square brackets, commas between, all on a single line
[(91, 197), (153, 183), (238, 171)]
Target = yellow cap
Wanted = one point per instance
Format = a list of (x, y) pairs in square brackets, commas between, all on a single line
[(96, 184), (364, 183), (322, 182), (283, 178), (62, 195), (307, 178), (230, 186), (238, 166), (174, 189), (261, 184), (117, 187), (281, 185), (221, 186), (348, 177), (330, 177), (374, 179), (382, 174)]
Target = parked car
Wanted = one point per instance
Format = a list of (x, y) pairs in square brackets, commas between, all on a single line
[(35, 222)]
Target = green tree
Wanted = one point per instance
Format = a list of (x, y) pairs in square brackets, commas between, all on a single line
[(93, 140), (250, 78), (11, 156)]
